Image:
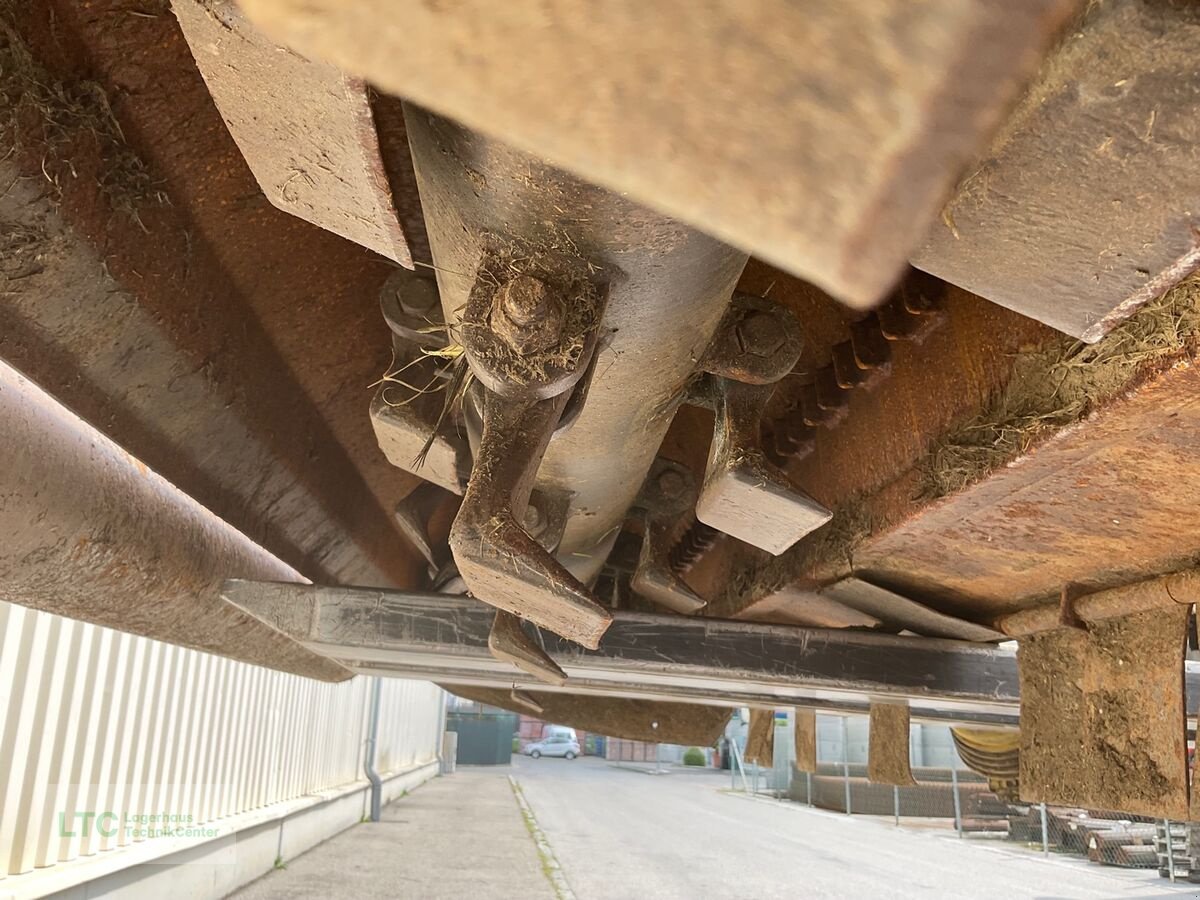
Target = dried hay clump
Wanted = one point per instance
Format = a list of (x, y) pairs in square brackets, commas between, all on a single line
[(1060, 384), (42, 115)]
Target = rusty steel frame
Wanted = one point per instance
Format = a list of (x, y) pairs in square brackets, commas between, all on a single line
[(101, 351), (90, 532)]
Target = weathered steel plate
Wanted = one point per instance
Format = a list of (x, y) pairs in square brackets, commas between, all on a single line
[(1102, 715), (820, 136), (1087, 205), (1099, 505), (305, 128)]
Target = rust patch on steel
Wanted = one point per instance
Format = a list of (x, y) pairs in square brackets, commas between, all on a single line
[(1074, 467), (1102, 715), (887, 748)]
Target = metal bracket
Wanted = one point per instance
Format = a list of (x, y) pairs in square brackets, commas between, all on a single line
[(760, 737), (526, 700), (653, 577), (806, 739), (1103, 715), (1103, 696), (744, 494), (402, 432), (500, 562), (413, 514)]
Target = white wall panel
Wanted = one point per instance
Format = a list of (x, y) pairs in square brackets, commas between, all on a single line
[(101, 731)]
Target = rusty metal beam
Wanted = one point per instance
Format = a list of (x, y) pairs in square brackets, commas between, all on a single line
[(822, 137), (1085, 206), (684, 658), (223, 342), (1099, 506), (89, 532), (66, 322)]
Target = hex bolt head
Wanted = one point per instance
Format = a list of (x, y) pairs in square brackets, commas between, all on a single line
[(670, 483), (528, 314), (760, 333), (533, 521), (418, 296)]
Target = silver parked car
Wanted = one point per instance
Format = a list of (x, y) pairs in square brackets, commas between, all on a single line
[(554, 745)]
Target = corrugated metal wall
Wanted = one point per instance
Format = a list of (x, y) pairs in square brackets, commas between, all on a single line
[(99, 729)]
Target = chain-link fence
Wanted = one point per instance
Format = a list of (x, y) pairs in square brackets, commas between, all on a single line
[(950, 796)]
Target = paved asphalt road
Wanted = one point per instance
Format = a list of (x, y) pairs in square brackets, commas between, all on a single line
[(605, 832), (623, 834)]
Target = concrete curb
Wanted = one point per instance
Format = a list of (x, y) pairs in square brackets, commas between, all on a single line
[(550, 866)]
